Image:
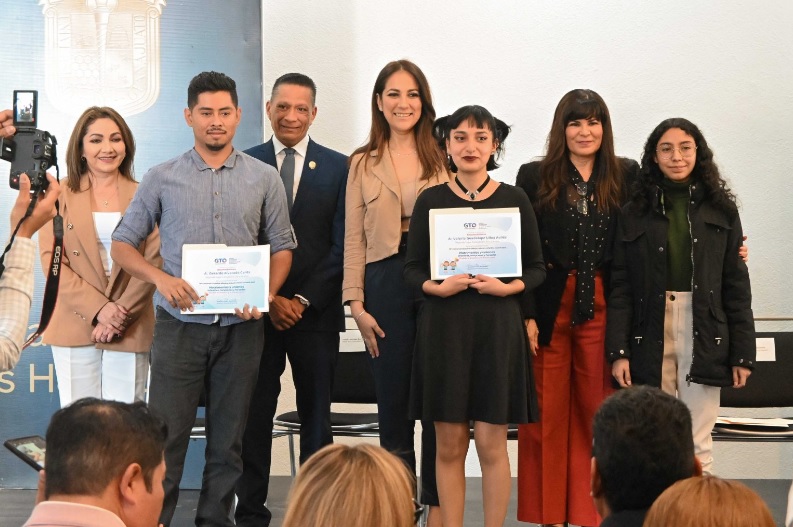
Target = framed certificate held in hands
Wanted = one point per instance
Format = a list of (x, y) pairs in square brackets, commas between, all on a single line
[(227, 277), (475, 241)]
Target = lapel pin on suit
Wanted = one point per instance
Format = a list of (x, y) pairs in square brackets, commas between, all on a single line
[(312, 165)]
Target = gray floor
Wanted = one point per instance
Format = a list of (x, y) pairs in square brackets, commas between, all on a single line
[(15, 505)]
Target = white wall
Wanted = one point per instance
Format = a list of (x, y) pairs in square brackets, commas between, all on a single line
[(727, 66)]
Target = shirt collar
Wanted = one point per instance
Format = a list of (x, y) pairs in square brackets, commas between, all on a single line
[(201, 164), (575, 175), (68, 513), (301, 147)]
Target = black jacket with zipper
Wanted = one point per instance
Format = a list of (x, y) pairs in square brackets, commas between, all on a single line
[(722, 300)]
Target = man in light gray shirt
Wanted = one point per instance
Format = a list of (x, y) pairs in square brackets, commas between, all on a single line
[(211, 194)]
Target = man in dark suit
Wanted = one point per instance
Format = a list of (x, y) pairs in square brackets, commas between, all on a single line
[(307, 315)]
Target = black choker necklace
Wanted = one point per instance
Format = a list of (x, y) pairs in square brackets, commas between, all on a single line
[(472, 193)]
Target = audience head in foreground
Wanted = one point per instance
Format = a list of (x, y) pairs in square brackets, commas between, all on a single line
[(709, 501), (103, 457), (642, 444), (351, 486)]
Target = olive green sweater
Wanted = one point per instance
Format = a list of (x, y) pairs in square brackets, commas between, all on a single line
[(679, 266)]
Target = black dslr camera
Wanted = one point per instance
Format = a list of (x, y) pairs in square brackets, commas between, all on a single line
[(31, 151)]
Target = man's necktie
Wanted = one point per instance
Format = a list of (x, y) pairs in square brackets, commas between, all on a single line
[(288, 174)]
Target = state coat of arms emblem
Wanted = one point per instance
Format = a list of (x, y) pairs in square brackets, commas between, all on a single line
[(102, 52)]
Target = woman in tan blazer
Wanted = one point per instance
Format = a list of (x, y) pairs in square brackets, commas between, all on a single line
[(399, 161), (103, 324)]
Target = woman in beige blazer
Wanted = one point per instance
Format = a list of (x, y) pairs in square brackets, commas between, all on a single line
[(103, 324), (399, 161)]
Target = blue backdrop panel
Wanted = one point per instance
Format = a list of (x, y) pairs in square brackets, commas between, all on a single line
[(220, 35)]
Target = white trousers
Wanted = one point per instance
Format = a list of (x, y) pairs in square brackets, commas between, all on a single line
[(789, 515), (703, 401), (85, 371)]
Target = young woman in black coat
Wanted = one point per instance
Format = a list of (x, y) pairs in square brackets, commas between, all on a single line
[(680, 309)]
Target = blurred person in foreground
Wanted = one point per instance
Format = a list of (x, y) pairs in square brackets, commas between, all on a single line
[(709, 501), (105, 467), (352, 486), (16, 281), (642, 444)]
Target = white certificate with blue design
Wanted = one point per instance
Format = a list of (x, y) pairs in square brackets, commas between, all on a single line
[(227, 277), (475, 241)]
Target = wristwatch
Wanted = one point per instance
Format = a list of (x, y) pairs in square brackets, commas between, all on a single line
[(303, 300)]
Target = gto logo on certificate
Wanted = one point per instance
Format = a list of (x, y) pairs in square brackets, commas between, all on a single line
[(475, 241), (227, 277)]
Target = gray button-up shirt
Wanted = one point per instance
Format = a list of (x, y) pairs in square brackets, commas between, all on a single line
[(242, 203)]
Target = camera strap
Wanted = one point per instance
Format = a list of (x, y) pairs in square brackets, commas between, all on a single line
[(53, 277), (28, 212), (54, 274)]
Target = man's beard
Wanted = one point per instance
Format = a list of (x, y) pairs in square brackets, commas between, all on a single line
[(216, 147)]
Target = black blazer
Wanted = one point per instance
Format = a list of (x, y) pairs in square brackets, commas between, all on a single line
[(318, 220), (544, 302)]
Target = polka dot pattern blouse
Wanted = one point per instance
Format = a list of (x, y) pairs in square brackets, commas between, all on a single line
[(587, 238)]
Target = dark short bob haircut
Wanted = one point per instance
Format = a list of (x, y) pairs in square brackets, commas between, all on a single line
[(482, 118)]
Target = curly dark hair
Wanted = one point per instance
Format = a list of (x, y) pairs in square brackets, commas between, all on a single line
[(642, 445), (705, 169)]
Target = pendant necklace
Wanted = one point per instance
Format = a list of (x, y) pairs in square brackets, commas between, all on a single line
[(472, 193), (105, 202)]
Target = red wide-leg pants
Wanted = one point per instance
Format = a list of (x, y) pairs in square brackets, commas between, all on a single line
[(572, 378)]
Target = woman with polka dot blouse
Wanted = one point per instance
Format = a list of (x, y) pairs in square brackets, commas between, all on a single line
[(576, 191)]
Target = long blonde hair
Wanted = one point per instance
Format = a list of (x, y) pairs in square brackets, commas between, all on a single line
[(708, 501), (351, 486)]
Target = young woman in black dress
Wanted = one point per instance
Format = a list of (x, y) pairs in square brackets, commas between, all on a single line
[(472, 360)]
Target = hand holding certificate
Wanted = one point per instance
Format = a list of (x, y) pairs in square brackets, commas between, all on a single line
[(226, 278), (475, 241)]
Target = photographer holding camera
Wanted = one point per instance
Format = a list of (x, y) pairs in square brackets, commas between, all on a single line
[(16, 282)]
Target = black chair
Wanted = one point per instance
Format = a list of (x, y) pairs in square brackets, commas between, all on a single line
[(353, 384), (769, 386), (512, 431), (199, 430)]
